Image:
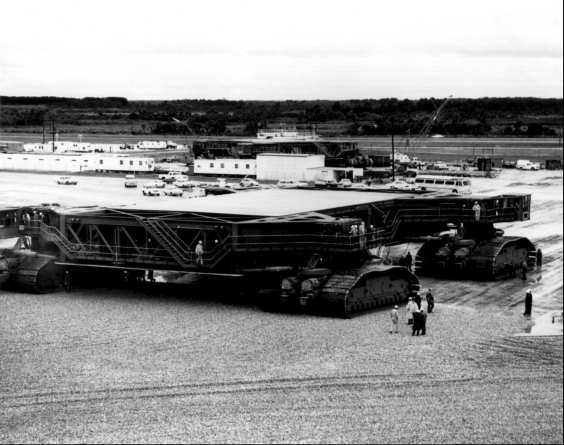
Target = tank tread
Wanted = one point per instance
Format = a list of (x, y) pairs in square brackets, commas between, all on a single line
[(487, 262), (367, 288), (491, 259), (36, 273)]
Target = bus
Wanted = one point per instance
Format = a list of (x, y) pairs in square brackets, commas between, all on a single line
[(448, 184)]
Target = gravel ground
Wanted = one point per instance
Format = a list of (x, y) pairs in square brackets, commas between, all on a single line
[(124, 366)]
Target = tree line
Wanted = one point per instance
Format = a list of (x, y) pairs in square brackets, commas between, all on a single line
[(523, 116)]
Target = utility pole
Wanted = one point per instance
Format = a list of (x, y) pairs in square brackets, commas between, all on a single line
[(53, 133), (393, 158)]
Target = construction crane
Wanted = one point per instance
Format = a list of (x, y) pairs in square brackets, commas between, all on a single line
[(410, 144)]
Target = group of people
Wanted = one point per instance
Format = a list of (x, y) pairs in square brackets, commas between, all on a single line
[(415, 314), (360, 231), (34, 217)]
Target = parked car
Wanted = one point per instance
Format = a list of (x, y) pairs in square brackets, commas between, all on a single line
[(130, 181), (154, 185), (290, 184), (345, 182), (66, 180), (325, 183), (525, 164), (398, 184), (151, 192), (360, 186), (171, 177), (173, 191), (248, 183), (184, 183)]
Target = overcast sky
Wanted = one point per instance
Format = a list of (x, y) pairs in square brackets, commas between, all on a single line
[(290, 49)]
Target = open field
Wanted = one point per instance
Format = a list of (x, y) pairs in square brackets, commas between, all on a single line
[(120, 365), (538, 149)]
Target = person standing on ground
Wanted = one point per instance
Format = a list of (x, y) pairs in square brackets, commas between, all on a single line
[(430, 301), (524, 270), (395, 319), (477, 210), (528, 303), (423, 322), (417, 319), (417, 300), (199, 251), (410, 309), (408, 261), (67, 280)]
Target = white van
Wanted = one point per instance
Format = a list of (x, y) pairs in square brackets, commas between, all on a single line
[(448, 184), (525, 164)]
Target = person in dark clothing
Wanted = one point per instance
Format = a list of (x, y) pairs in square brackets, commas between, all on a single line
[(419, 323), (430, 301), (408, 261), (423, 323), (528, 302), (417, 299), (539, 258), (67, 281), (524, 270), (417, 319)]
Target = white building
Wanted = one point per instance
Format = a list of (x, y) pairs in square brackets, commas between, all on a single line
[(282, 134), (75, 162), (156, 145), (276, 166), (73, 147), (334, 174), (226, 166)]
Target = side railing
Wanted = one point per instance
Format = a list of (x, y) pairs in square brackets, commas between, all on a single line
[(101, 252), (169, 240), (173, 250), (179, 250)]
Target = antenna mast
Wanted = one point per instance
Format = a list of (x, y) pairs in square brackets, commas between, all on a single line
[(427, 127)]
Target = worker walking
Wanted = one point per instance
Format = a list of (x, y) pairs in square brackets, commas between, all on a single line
[(430, 301), (410, 309), (477, 210), (528, 303), (395, 320), (199, 251)]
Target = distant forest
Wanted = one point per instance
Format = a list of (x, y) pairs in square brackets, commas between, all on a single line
[(521, 116)]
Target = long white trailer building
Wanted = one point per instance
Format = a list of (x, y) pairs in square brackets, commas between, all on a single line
[(75, 162), (97, 147)]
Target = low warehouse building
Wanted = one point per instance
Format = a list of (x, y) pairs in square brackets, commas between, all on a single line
[(276, 166), (226, 166)]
